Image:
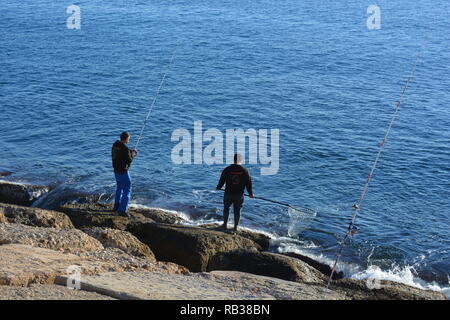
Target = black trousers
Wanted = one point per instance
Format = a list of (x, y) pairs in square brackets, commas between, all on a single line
[(237, 201)]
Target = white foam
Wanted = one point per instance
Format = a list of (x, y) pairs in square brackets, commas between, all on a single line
[(34, 194), (401, 275), (286, 244), (268, 234), (199, 222), (373, 273), (307, 249)]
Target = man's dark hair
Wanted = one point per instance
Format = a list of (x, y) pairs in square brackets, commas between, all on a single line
[(237, 158), (124, 135)]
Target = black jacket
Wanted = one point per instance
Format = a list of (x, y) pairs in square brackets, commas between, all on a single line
[(122, 156), (236, 178)]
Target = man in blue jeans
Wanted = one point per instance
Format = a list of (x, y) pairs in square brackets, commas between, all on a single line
[(122, 157), (236, 179)]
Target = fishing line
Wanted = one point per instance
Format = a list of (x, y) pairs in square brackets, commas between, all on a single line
[(296, 208), (351, 228), (154, 100)]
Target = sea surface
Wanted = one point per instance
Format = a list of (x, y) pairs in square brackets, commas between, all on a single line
[(312, 70)]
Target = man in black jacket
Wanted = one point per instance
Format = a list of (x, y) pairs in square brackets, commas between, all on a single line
[(122, 157), (236, 178)]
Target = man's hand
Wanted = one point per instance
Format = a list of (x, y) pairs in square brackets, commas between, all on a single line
[(251, 196), (217, 188), (135, 152)]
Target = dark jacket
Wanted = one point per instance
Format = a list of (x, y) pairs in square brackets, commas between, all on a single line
[(122, 156), (236, 178)]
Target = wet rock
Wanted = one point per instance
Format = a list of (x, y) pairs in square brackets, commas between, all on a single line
[(100, 215), (20, 193), (322, 267), (112, 238), (65, 240), (261, 239), (266, 264), (188, 246), (5, 173), (65, 194), (35, 216)]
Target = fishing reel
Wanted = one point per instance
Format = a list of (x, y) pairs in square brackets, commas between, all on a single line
[(352, 230)]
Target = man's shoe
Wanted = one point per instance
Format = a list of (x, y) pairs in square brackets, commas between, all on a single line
[(124, 214)]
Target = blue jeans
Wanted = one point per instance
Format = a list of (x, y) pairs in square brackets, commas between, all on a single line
[(123, 192)]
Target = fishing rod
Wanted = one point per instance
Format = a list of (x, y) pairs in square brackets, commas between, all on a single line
[(357, 207), (300, 209), (153, 103)]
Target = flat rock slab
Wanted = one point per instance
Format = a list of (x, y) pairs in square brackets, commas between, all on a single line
[(216, 285), (48, 292), (21, 193), (22, 265)]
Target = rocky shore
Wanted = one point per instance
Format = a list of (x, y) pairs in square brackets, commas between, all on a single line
[(153, 255)]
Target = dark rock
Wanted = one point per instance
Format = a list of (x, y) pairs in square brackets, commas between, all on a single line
[(188, 246), (385, 290), (100, 215), (266, 264), (63, 194), (35, 217), (261, 239), (158, 215), (322, 267), (5, 173), (21, 194)]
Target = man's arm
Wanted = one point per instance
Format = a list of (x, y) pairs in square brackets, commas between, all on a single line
[(223, 177), (249, 185), (131, 154)]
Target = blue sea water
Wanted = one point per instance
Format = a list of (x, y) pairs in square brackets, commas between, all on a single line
[(312, 70)]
